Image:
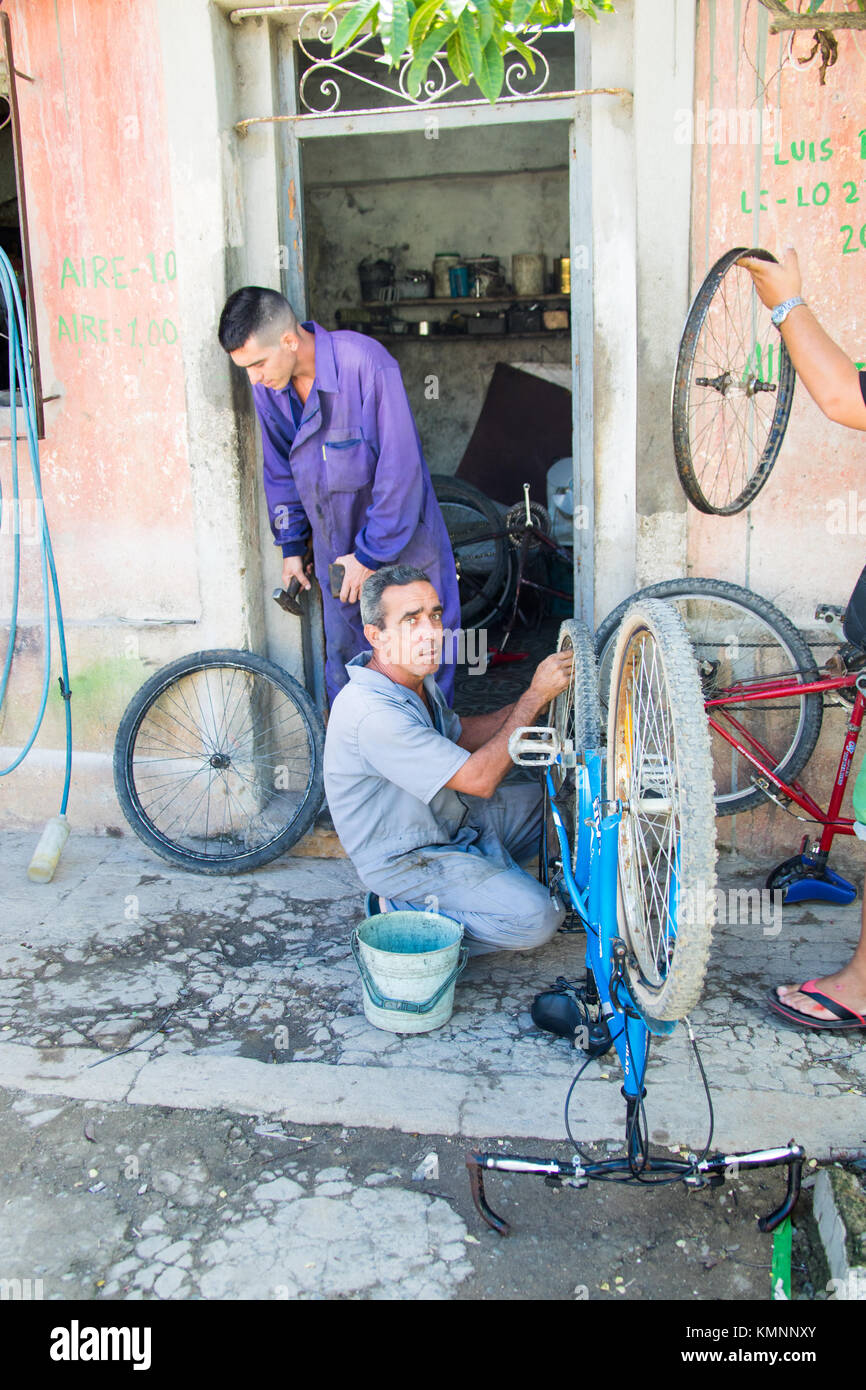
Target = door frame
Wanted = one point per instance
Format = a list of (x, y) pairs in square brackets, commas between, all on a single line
[(295, 127)]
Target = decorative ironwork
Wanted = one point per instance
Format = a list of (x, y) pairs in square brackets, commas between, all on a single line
[(319, 90)]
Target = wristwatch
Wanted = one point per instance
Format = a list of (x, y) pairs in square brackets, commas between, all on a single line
[(781, 311)]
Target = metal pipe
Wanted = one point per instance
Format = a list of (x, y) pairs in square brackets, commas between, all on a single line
[(260, 11), (241, 126)]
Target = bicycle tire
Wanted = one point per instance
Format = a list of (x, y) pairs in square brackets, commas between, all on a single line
[(745, 622), (483, 566), (198, 713), (576, 717), (700, 478), (660, 770)]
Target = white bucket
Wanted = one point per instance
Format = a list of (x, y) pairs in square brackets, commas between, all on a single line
[(409, 963)]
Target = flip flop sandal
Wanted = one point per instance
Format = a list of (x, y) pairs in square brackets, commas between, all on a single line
[(845, 1017)]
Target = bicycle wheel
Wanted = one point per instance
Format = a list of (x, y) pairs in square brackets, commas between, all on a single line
[(732, 393), (480, 545), (576, 717), (738, 638), (218, 762), (660, 769)]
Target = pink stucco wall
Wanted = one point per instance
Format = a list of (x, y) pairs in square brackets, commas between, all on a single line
[(803, 185), (114, 463)]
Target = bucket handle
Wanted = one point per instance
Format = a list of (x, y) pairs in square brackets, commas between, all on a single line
[(406, 1006)]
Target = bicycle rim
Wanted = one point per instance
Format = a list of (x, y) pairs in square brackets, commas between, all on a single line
[(659, 769), (732, 393), (220, 764), (738, 639), (576, 717)]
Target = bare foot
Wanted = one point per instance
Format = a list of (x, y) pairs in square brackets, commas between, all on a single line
[(845, 987)]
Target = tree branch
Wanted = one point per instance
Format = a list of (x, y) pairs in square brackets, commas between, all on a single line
[(820, 21)]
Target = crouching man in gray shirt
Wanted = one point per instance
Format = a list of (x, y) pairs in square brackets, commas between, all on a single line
[(415, 792)]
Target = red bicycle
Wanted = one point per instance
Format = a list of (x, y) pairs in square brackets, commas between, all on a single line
[(764, 696)]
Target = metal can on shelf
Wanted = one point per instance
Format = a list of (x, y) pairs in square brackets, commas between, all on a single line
[(527, 274), (442, 263), (562, 274)]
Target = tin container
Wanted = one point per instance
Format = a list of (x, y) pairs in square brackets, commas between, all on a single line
[(527, 274), (562, 274), (442, 263)]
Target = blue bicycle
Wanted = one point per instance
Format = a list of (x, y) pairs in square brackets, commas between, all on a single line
[(633, 836)]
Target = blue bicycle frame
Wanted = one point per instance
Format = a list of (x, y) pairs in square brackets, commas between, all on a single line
[(591, 883), (592, 888)]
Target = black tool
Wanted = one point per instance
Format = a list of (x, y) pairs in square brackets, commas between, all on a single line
[(336, 575), (289, 599)]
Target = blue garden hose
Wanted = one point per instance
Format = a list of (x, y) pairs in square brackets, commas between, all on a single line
[(21, 380)]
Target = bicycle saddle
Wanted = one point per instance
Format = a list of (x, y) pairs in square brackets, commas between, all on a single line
[(557, 1011)]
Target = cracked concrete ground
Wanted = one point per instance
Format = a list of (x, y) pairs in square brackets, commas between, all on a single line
[(242, 1005)]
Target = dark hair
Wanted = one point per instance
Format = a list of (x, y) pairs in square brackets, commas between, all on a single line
[(372, 608), (252, 312)]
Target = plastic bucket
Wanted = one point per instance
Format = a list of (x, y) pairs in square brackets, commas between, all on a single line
[(409, 962)]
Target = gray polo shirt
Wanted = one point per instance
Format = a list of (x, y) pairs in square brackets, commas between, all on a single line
[(386, 765)]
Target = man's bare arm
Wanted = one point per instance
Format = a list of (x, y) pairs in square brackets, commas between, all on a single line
[(478, 728), (481, 774), (828, 373)]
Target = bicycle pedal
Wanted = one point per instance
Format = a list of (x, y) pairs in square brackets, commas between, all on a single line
[(539, 746), (829, 613)]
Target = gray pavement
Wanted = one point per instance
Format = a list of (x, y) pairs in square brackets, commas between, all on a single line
[(242, 1003)]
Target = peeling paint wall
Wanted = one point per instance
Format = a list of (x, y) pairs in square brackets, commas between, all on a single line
[(149, 474), (803, 183)]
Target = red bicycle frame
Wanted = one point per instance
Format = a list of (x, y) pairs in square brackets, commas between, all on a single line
[(751, 748)]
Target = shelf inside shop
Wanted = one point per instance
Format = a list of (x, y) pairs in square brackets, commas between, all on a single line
[(466, 337), (501, 299)]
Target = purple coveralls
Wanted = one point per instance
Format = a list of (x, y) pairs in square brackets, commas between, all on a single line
[(352, 472)]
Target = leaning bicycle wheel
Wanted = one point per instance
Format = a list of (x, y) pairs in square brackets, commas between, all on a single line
[(738, 639), (660, 770), (576, 717), (218, 762), (732, 393), (482, 553)]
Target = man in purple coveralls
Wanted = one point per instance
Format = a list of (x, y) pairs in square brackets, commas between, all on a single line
[(342, 459)]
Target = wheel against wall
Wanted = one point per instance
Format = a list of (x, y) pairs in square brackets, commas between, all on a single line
[(481, 549), (218, 762), (738, 637)]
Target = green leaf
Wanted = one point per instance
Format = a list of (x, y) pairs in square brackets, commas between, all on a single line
[(520, 12), (466, 28), (525, 53), (458, 58), (395, 32), (492, 74), (422, 22), (352, 23), (487, 20), (425, 54)]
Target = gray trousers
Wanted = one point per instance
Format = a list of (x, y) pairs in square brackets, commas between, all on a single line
[(501, 907)]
